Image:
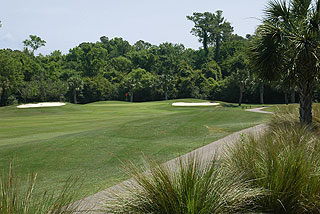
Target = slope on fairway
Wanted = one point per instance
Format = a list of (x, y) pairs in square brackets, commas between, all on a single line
[(94, 140)]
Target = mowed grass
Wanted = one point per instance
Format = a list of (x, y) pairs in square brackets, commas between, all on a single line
[(94, 140)]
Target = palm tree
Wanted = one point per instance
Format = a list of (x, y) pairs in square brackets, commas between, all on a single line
[(241, 78), (287, 44), (75, 84)]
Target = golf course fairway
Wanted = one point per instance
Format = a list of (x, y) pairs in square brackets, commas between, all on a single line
[(93, 141)]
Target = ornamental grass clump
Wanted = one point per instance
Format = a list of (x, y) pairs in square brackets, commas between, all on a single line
[(190, 186), (20, 197), (288, 116), (284, 162)]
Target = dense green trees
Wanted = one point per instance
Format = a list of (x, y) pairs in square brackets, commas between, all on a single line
[(10, 75), (113, 68), (167, 65), (138, 81), (287, 46), (143, 71)]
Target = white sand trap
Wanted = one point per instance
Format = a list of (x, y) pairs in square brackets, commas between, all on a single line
[(38, 105), (194, 104)]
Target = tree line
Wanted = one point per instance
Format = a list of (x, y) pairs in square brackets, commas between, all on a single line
[(113, 69)]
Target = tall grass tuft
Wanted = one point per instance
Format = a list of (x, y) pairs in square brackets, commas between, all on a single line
[(191, 186), (289, 116), (284, 163), (19, 197)]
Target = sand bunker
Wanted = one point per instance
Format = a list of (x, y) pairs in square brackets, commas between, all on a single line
[(194, 104), (37, 105)]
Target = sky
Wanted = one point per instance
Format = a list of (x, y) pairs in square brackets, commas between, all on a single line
[(64, 24)]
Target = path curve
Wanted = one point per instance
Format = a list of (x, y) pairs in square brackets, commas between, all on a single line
[(259, 110), (94, 203)]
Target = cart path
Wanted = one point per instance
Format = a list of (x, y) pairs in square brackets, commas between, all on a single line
[(259, 110), (95, 202)]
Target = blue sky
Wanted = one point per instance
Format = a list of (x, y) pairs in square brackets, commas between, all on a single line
[(64, 24)]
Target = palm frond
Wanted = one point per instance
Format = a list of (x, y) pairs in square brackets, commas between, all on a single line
[(277, 11), (300, 8), (266, 51), (315, 18)]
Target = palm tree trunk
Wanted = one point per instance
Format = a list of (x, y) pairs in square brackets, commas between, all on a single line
[(305, 95), (293, 96), (75, 96), (241, 94), (43, 95), (165, 91), (285, 93), (1, 90), (261, 93), (2, 97), (131, 96)]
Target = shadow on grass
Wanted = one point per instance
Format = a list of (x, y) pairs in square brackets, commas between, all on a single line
[(229, 105)]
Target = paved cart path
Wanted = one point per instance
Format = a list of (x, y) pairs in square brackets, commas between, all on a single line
[(259, 110), (94, 203)]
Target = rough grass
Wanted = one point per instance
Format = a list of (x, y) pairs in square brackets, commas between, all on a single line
[(91, 140), (19, 196), (284, 163)]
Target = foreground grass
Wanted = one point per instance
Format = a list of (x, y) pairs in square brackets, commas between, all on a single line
[(193, 186), (284, 163), (91, 140), (18, 196)]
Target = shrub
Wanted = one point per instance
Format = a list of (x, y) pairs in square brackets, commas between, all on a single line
[(284, 163), (12, 100), (191, 186)]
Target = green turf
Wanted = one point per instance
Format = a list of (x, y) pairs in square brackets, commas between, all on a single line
[(94, 140)]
